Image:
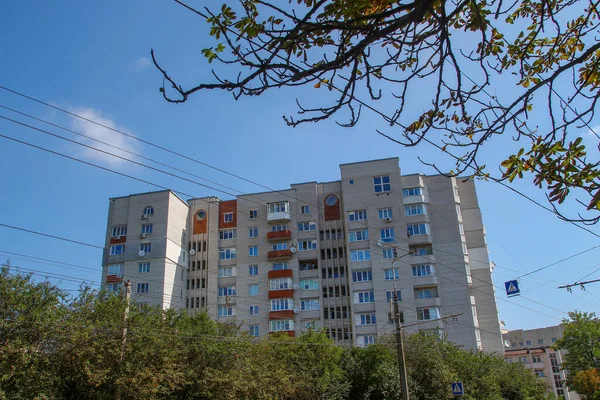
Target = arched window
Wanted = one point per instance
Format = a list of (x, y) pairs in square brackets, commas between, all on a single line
[(149, 210)]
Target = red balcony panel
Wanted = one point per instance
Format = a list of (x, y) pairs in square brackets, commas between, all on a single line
[(281, 294), (120, 239), (281, 273), (114, 278), (279, 255), (285, 314), (277, 236), (288, 333)]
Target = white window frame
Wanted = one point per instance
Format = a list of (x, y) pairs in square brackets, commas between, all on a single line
[(227, 253), (310, 304), (415, 209), (115, 269), (227, 234), (358, 235), (279, 246), (253, 251), (280, 284), (279, 206), (119, 230), (387, 235), (253, 214), (143, 287), (254, 330), (279, 266), (225, 311), (428, 313), (388, 274), (253, 310), (282, 304), (144, 267), (360, 255), (306, 226), (253, 270), (364, 297), (225, 272), (148, 210), (366, 318), (281, 325), (425, 293), (307, 245), (279, 228), (421, 270), (147, 229), (225, 291), (357, 215), (387, 253), (253, 232), (385, 213), (389, 295), (412, 191), (228, 217), (305, 209), (115, 247), (309, 284), (113, 287), (363, 275), (146, 247), (253, 289), (422, 228)]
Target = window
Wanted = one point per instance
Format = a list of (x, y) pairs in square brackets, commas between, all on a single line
[(308, 265), (304, 245), (253, 214), (226, 271), (148, 210), (417, 229), (387, 234), (227, 234), (427, 294), (310, 305), (281, 206), (144, 267), (351, 181), (227, 291), (364, 297), (227, 253), (389, 295), (252, 232), (226, 311), (456, 191), (305, 210), (366, 319), (145, 247), (362, 276), (253, 251), (252, 270), (120, 230), (461, 228), (331, 200), (358, 236), (142, 287), (539, 373), (309, 284), (536, 358), (382, 184), (554, 339), (413, 191), (415, 209), (113, 287), (280, 283), (253, 330), (523, 359), (540, 341), (281, 325), (279, 246), (384, 213), (115, 269), (358, 215), (528, 343), (306, 226), (388, 253), (360, 255), (253, 311), (147, 229), (521, 344), (391, 274), (422, 270), (421, 251), (474, 310), (282, 304), (464, 248), (279, 266), (228, 217), (200, 215), (425, 314), (278, 228), (253, 290), (117, 249)]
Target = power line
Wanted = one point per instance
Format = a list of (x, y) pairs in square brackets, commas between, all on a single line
[(50, 236), (559, 261)]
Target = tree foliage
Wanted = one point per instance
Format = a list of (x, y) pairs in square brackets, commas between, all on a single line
[(456, 55)]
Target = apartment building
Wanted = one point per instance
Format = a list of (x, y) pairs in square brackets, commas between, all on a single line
[(532, 347), (323, 255)]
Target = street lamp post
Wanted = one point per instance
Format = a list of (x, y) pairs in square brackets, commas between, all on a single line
[(399, 338)]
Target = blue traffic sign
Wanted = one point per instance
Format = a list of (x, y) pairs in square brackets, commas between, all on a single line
[(457, 389), (512, 288)]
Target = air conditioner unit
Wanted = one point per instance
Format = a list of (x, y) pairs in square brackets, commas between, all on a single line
[(142, 235), (388, 220), (117, 237), (144, 216)]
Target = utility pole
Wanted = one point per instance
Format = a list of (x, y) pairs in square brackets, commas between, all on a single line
[(124, 334), (399, 337)]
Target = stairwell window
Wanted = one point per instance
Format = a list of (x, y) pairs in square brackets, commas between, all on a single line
[(305, 210), (417, 229), (144, 267), (146, 247), (382, 184), (254, 330), (253, 214), (147, 229), (142, 287), (253, 311), (389, 295), (388, 253), (120, 230), (252, 270), (389, 274), (358, 215), (117, 249)]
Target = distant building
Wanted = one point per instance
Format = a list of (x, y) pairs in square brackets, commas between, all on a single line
[(532, 347), (316, 255)]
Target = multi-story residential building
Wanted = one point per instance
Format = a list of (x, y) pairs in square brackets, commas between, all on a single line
[(532, 347), (321, 255)]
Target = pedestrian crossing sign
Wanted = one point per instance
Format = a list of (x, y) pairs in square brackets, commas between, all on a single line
[(512, 288), (457, 389)]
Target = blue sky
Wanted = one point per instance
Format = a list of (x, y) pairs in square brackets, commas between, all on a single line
[(93, 59)]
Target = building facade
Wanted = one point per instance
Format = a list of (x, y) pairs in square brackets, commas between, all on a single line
[(323, 255), (532, 347)]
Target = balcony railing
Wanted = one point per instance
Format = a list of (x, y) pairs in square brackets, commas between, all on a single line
[(280, 211), (279, 255), (278, 236)]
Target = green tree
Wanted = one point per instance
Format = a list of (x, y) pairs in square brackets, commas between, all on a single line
[(454, 54), (581, 340)]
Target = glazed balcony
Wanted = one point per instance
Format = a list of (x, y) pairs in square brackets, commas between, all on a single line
[(279, 236), (279, 255), (279, 212)]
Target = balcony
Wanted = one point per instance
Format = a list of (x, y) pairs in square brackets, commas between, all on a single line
[(114, 278), (281, 294), (278, 212), (279, 236), (279, 255), (281, 333), (284, 314), (118, 239), (280, 273)]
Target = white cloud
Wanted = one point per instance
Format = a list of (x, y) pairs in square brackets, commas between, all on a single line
[(103, 134), (141, 63)]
